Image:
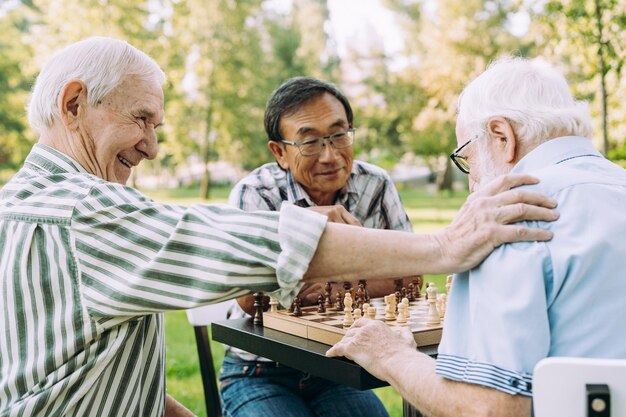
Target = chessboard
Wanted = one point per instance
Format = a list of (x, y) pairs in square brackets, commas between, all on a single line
[(328, 327)]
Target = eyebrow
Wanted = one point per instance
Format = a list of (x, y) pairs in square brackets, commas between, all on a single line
[(305, 129), (144, 112)]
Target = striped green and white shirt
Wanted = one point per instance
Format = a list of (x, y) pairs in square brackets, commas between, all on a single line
[(87, 265)]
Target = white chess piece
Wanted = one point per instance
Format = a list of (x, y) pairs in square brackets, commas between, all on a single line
[(348, 319), (356, 314), (433, 315), (448, 283), (273, 305), (390, 307), (402, 313), (371, 312)]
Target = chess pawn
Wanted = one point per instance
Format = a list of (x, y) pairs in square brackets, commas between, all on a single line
[(339, 301), (433, 315), (411, 292), (296, 307), (448, 283), (273, 305), (417, 283), (371, 312), (320, 303), (356, 314), (402, 313)]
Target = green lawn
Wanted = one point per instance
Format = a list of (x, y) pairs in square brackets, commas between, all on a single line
[(427, 213)]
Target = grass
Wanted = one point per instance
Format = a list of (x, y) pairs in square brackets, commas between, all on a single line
[(427, 213)]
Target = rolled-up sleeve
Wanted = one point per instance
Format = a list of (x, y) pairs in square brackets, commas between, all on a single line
[(136, 256)]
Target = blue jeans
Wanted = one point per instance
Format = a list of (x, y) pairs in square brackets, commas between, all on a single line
[(262, 389)]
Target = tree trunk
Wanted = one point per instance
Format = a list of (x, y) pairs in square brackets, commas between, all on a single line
[(445, 178), (602, 65)]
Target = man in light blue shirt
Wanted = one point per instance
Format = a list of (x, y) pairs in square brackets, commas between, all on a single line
[(526, 301)]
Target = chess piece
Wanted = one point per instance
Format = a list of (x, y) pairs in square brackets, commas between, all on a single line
[(339, 301), (411, 292), (403, 313), (403, 293), (296, 307), (367, 294), (348, 318), (398, 298), (398, 283), (258, 309), (448, 284), (273, 305), (360, 296), (371, 312), (320, 304), (356, 314), (442, 302), (390, 307), (433, 315), (417, 283), (328, 302)]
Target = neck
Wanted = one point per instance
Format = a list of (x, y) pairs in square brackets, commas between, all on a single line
[(71, 145)]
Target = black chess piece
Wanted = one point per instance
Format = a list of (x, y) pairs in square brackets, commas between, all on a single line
[(367, 294), (329, 297), (258, 308), (296, 307), (411, 292), (399, 283), (320, 303), (339, 301), (403, 293)]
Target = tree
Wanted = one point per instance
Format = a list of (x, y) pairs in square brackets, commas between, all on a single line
[(587, 36)]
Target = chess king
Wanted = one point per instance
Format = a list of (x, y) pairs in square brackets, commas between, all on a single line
[(311, 134), (525, 301)]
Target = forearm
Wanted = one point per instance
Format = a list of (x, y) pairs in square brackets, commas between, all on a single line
[(348, 253), (175, 409), (413, 376)]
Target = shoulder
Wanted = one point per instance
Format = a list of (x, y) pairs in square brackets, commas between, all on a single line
[(266, 177), (365, 169)]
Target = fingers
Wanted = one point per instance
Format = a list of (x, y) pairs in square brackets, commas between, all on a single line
[(337, 214), (509, 234), (348, 218), (514, 213), (526, 197)]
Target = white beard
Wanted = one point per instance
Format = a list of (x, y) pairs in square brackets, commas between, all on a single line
[(488, 169)]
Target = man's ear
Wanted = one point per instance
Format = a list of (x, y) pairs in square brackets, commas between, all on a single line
[(503, 138), (72, 99), (278, 149)]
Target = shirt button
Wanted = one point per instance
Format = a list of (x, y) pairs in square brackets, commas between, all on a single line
[(514, 382)]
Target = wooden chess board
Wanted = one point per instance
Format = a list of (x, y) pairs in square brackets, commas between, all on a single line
[(328, 327)]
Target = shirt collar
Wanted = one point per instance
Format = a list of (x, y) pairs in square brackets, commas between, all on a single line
[(298, 196), (556, 151), (51, 160)]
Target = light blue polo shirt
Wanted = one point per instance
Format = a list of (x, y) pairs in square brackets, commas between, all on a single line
[(566, 297)]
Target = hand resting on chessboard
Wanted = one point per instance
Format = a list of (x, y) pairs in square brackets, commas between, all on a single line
[(391, 355)]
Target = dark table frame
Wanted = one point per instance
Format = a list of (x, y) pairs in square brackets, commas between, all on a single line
[(302, 354)]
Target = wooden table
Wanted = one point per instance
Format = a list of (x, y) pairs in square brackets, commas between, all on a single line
[(302, 354)]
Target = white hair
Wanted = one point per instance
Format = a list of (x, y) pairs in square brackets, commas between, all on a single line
[(531, 94), (99, 62)]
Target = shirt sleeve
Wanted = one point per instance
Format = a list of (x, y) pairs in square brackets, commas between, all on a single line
[(497, 325), (393, 209), (136, 256)]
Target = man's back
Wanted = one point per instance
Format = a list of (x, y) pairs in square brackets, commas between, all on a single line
[(564, 297)]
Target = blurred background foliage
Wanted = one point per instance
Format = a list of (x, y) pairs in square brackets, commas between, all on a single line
[(224, 58)]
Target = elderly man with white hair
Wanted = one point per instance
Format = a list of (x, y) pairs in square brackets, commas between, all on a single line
[(526, 301), (88, 264)]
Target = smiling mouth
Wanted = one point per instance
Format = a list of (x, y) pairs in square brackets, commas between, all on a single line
[(125, 162)]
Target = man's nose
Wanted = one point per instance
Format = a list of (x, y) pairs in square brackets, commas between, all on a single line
[(149, 145), (329, 153)]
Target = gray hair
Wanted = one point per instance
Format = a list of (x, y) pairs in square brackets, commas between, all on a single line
[(531, 94), (99, 62)]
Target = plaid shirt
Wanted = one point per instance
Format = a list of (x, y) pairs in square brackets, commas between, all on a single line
[(369, 194), (86, 268)]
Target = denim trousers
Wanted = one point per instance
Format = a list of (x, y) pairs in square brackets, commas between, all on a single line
[(267, 389)]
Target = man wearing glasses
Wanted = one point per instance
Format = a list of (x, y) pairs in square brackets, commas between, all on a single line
[(311, 134), (525, 301)]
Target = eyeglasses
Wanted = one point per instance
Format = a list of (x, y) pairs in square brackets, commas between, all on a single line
[(461, 161), (313, 146)]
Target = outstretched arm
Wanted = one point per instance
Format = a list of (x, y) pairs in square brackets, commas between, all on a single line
[(483, 223), (393, 357)]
